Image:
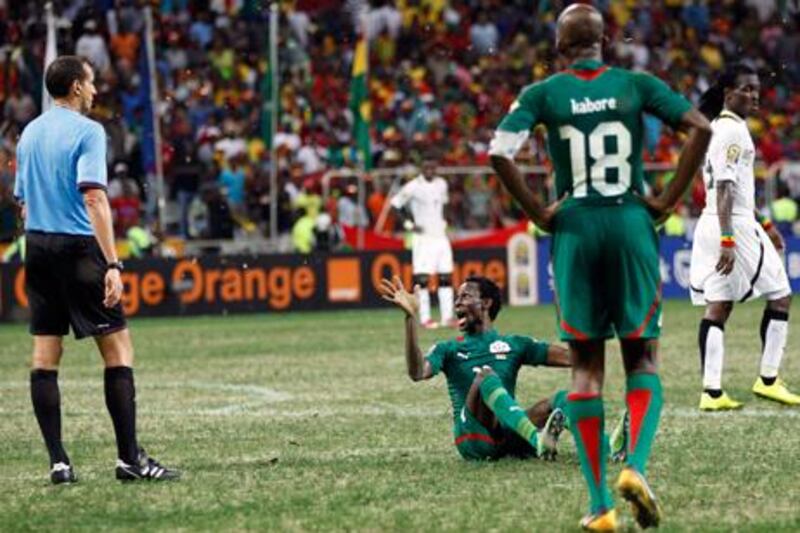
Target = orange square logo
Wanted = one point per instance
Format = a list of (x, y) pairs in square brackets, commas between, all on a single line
[(344, 280)]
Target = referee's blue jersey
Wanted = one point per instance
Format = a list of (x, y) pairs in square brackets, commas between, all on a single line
[(60, 154)]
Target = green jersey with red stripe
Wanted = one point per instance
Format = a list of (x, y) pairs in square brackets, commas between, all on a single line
[(505, 354), (593, 115)]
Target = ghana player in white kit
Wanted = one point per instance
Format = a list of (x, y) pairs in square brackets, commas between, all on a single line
[(421, 203), (735, 254)]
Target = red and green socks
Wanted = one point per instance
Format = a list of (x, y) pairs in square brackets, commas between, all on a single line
[(644, 399), (506, 409), (587, 423)]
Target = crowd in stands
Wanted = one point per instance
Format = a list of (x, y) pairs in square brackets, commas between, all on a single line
[(441, 73)]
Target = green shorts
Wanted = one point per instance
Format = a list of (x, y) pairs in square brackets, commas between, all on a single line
[(606, 270), (477, 443)]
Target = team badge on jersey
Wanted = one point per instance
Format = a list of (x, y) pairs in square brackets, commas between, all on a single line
[(733, 153), (499, 348)]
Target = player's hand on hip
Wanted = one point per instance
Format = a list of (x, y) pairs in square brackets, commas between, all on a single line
[(548, 218), (113, 293), (776, 238), (727, 257), (658, 210), (393, 291)]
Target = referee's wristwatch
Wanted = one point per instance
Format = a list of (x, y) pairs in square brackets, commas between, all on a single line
[(115, 265)]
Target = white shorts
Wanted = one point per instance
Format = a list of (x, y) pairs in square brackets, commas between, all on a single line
[(758, 269), (431, 254)]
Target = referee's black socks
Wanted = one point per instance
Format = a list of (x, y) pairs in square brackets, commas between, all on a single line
[(46, 400), (121, 403)]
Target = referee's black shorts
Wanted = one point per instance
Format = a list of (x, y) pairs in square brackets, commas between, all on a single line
[(65, 282)]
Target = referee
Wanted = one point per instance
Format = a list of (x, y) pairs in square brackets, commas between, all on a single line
[(72, 269)]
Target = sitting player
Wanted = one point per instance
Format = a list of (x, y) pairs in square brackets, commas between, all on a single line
[(481, 369)]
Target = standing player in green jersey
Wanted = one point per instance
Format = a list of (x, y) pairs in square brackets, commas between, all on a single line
[(481, 369), (605, 248)]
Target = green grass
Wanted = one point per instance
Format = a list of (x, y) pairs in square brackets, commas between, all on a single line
[(308, 422)]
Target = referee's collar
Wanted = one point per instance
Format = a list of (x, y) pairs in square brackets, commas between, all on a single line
[(730, 114)]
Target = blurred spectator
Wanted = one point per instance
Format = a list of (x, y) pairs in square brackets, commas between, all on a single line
[(209, 214), (327, 233), (479, 203), (125, 44), (484, 35), (308, 201), (126, 208), (232, 179), (783, 210), (348, 210), (187, 172), (8, 214), (92, 46), (19, 108), (140, 241), (303, 234)]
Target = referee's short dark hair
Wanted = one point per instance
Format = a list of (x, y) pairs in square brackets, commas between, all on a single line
[(63, 72)]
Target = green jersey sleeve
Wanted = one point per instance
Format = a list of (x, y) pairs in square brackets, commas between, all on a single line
[(533, 351), (660, 100), (437, 356), (525, 111)]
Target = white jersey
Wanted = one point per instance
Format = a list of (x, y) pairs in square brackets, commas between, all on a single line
[(730, 157), (758, 269), (426, 199)]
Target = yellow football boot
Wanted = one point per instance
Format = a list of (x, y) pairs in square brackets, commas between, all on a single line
[(632, 486), (602, 521), (723, 403), (777, 392)]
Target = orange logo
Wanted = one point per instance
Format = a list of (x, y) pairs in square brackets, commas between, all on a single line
[(344, 280)]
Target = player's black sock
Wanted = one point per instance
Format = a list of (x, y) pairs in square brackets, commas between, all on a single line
[(46, 400), (768, 381), (121, 403), (714, 393)]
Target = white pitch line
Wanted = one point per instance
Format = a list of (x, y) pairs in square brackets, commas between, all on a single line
[(263, 397), (688, 412)]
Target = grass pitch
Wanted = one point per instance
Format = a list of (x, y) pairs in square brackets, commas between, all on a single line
[(304, 422)]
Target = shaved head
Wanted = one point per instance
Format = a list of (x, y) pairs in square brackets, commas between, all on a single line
[(579, 29)]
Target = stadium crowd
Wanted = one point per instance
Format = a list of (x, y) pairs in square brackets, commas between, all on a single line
[(442, 73)]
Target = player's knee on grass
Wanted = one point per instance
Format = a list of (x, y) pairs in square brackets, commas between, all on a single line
[(474, 401), (422, 281)]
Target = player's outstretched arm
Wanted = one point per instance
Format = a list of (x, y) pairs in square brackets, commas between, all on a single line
[(557, 356), (699, 130), (393, 291)]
